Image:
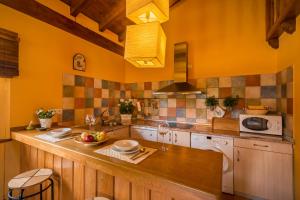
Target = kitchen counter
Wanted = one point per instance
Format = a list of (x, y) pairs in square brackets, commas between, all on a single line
[(182, 173)]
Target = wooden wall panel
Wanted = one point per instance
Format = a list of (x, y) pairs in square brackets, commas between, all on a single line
[(78, 182), (105, 185), (67, 179), (1, 171), (139, 192), (57, 168), (48, 164), (122, 189), (90, 182)]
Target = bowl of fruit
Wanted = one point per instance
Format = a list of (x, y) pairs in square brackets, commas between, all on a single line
[(92, 138)]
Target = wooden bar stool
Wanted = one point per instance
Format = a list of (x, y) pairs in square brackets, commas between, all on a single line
[(28, 179)]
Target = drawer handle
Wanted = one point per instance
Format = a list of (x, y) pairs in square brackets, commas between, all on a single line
[(238, 156), (259, 145), (175, 137), (170, 137)]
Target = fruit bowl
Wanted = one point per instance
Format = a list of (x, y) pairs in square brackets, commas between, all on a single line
[(91, 138), (94, 143)]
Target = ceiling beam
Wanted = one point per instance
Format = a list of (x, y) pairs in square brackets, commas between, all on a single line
[(117, 10), (77, 6), (45, 14)]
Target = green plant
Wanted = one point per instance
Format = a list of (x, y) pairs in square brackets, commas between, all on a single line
[(211, 102), (230, 102), (126, 106), (45, 114)]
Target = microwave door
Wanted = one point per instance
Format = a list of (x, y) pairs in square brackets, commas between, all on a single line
[(255, 124)]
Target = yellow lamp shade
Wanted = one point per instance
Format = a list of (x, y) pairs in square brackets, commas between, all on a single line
[(144, 11), (145, 45)]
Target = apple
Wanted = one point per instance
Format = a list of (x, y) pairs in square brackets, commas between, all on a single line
[(83, 135), (89, 138), (100, 136)]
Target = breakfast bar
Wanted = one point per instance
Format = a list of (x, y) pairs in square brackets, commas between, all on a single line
[(81, 173)]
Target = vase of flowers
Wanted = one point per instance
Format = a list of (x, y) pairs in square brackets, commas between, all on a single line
[(211, 102), (45, 117), (126, 110)]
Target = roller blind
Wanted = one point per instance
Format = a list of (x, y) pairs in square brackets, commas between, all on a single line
[(9, 53)]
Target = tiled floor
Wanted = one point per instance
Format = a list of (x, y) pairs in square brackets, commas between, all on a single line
[(232, 197)]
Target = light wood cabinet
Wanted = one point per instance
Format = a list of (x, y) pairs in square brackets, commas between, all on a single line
[(180, 138), (263, 169), (119, 133), (146, 133)]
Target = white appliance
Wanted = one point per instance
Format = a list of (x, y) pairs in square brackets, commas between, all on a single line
[(263, 124), (219, 144)]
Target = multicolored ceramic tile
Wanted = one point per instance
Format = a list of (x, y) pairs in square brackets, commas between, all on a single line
[(270, 103), (163, 103), (97, 83), (79, 80), (68, 79), (191, 113), (180, 112), (238, 92), (225, 82), (68, 103), (213, 92), (268, 79), (238, 81), (201, 113), (268, 92), (253, 80), (68, 91), (171, 103), (200, 103), (172, 112), (79, 91), (191, 103), (180, 103), (68, 115), (225, 92), (212, 82), (252, 92), (253, 102), (79, 103), (201, 83), (290, 104)]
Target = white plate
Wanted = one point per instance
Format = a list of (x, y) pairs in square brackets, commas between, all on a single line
[(132, 151), (126, 145), (60, 132)]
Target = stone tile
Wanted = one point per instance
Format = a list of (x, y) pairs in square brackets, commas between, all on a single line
[(140, 86), (163, 112), (180, 103), (97, 93), (105, 93), (89, 82), (79, 92), (289, 74), (290, 106), (253, 80), (191, 113), (104, 84), (180, 112), (283, 91), (163, 103), (111, 85), (253, 102), (172, 103), (252, 92), (155, 86), (97, 112), (68, 103), (68, 115), (238, 91), (268, 79), (79, 80), (200, 103), (201, 113), (172, 112), (69, 79), (213, 92), (225, 82), (238, 81), (68, 91), (270, 103), (97, 102), (97, 83), (212, 82), (268, 91), (224, 92), (88, 111), (191, 103), (79, 103), (148, 85), (104, 102), (201, 83), (89, 92), (148, 94), (289, 90), (79, 117)]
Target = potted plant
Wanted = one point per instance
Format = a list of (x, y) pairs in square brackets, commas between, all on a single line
[(230, 102), (45, 117), (211, 102), (126, 110)]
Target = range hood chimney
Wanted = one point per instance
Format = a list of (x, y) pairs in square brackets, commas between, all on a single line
[(180, 85)]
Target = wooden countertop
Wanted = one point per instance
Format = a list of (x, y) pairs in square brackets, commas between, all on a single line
[(196, 170)]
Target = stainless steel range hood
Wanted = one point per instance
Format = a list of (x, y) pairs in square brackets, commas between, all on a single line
[(180, 85)]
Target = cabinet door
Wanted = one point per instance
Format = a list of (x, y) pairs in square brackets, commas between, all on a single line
[(182, 138), (144, 134), (167, 138), (263, 174), (119, 133)]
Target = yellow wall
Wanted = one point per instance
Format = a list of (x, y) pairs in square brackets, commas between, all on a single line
[(45, 53), (288, 54), (226, 37)]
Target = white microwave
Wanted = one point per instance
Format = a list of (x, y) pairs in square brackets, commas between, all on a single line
[(263, 124)]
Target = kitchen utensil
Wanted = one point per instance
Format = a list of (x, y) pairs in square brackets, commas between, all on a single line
[(142, 150), (140, 155)]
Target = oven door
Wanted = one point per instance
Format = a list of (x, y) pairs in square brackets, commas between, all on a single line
[(256, 124)]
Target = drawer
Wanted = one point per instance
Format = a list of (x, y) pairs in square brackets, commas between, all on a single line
[(145, 134), (264, 145)]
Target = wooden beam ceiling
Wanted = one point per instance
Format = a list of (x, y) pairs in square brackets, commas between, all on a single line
[(77, 6), (45, 14)]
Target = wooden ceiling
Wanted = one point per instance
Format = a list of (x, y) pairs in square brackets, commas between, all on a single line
[(109, 14)]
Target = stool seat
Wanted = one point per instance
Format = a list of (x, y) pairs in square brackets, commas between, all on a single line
[(30, 178)]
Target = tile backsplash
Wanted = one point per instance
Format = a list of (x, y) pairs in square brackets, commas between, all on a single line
[(85, 95)]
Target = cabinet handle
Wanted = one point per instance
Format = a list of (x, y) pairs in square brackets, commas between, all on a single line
[(238, 156), (170, 139), (175, 137), (259, 145)]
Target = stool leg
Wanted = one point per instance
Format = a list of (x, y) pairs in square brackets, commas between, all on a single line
[(41, 191), (52, 189), (21, 194), (9, 194)]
